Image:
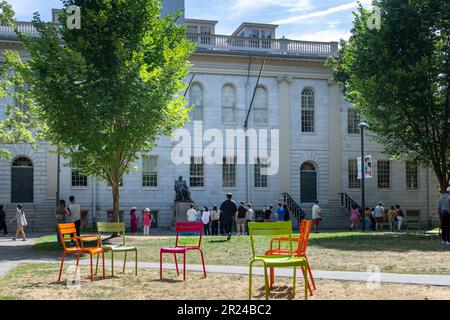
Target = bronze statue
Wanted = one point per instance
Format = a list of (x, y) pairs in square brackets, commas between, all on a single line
[(182, 193)]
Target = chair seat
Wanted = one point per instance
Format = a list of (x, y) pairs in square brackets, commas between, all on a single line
[(118, 248), (276, 252), (177, 249), (281, 261), (93, 250), (72, 249)]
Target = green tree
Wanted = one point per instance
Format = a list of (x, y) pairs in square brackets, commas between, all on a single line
[(108, 91), (398, 76)]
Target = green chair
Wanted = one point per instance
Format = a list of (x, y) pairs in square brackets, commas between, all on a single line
[(119, 228), (276, 229)]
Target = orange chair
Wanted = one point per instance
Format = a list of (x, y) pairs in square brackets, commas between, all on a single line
[(69, 229), (305, 230)]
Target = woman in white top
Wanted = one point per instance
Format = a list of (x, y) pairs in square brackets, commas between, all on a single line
[(215, 218), (206, 218), (21, 223)]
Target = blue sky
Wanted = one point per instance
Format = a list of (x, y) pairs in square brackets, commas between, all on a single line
[(315, 20)]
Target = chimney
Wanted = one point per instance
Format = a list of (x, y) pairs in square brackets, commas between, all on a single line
[(170, 7)]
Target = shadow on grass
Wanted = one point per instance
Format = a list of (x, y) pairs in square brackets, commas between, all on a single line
[(277, 292)]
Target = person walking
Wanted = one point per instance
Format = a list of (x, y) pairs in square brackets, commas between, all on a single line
[(378, 212), (392, 216), (316, 218), (241, 215), (215, 218), (248, 217), (21, 223), (355, 217), (75, 217), (366, 218), (147, 222), (287, 215), (400, 217), (61, 214), (3, 221), (444, 214), (228, 209), (133, 221), (280, 212), (267, 212), (206, 219), (191, 214)]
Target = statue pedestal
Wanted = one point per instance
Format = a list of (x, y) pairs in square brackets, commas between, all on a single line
[(179, 214)]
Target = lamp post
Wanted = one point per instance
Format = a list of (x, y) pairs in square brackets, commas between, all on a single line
[(363, 126)]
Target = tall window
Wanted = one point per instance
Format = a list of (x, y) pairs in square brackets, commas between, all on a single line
[(149, 171), (229, 173), (196, 99), (384, 174), (197, 178), (353, 121), (353, 181), (79, 179), (260, 170), (228, 104), (308, 110), (260, 107), (412, 176)]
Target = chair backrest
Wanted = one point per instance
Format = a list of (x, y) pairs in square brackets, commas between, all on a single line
[(193, 228), (305, 231), (65, 229), (111, 227), (270, 229)]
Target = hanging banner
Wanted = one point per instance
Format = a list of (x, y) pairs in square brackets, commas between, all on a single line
[(368, 172)]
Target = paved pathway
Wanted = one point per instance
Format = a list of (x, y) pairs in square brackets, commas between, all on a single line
[(15, 253)]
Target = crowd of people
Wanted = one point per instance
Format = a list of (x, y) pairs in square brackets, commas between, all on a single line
[(219, 221), (374, 219)]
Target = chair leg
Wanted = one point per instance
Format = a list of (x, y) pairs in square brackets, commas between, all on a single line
[(305, 276), (92, 269), (135, 262), (176, 264), (61, 267), (103, 264), (250, 281), (184, 266), (203, 262), (96, 265), (125, 262), (310, 273), (112, 263), (272, 277), (266, 281), (294, 285), (309, 285)]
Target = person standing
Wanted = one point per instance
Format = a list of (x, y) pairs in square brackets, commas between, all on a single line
[(191, 214), (206, 219), (228, 209), (240, 219), (267, 212), (215, 218), (61, 214), (133, 221), (147, 222), (355, 217), (75, 217), (3, 221), (392, 216), (287, 216), (379, 216), (316, 218), (280, 212), (248, 217), (373, 221), (367, 218), (444, 214), (400, 217), (21, 222)]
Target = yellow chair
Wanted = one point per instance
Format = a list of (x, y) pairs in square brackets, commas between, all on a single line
[(276, 229)]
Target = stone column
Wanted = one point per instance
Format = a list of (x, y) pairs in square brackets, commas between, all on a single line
[(52, 173), (335, 141), (284, 116)]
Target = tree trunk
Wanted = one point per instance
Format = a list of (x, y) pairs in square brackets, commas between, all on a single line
[(115, 192), (443, 179)]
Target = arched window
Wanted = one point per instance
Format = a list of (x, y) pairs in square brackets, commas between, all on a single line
[(196, 99), (22, 180), (228, 104), (308, 183), (260, 106), (308, 106)]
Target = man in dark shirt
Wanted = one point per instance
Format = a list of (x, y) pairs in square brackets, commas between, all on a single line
[(267, 213), (228, 209)]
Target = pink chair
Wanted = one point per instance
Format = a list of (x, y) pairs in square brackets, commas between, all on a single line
[(190, 228)]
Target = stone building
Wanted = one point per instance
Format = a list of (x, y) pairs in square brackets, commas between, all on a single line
[(318, 145)]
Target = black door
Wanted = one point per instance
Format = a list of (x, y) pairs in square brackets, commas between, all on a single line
[(308, 183), (22, 183)]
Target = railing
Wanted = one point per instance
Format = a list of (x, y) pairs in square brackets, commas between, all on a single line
[(294, 209), (22, 27), (272, 46), (347, 202)]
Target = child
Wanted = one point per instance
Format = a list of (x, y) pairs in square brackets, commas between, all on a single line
[(206, 218), (392, 215), (147, 222), (21, 222), (133, 221), (355, 217)]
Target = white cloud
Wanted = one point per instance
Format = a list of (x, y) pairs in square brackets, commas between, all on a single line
[(322, 13), (240, 7)]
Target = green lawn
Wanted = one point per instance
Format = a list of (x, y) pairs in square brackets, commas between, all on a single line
[(345, 251)]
